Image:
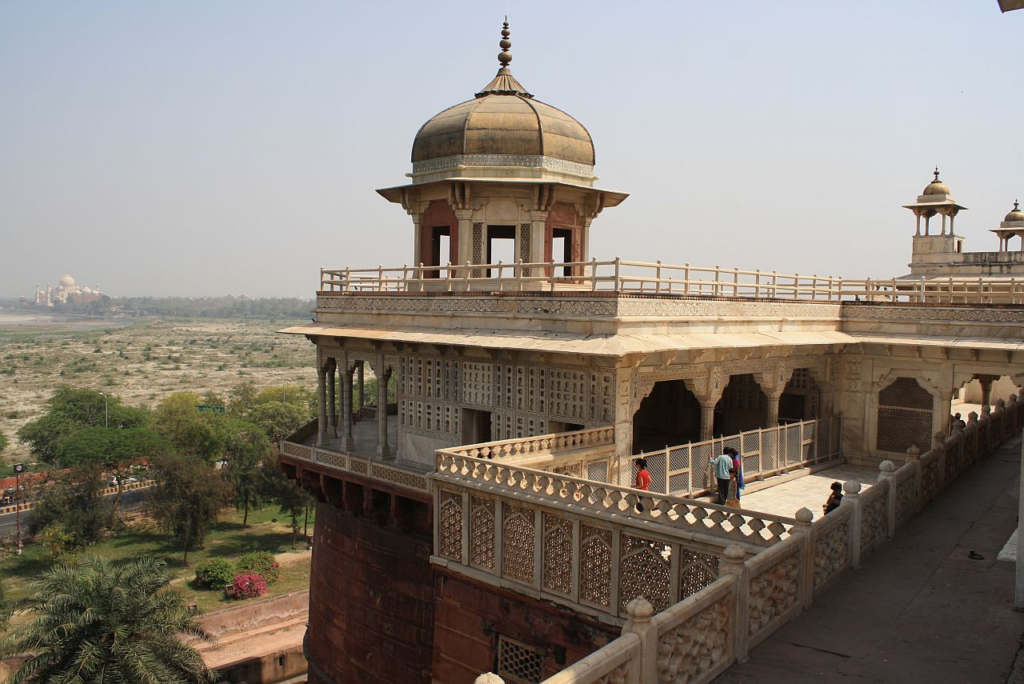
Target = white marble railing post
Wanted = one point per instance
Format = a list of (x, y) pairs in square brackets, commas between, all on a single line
[(852, 500), (639, 612), (886, 471), (804, 531), (986, 418), (939, 447), (732, 563), (489, 678), (914, 460)]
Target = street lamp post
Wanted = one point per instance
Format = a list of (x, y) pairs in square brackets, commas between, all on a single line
[(18, 469), (106, 410)]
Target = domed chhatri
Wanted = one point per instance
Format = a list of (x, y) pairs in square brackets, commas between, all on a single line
[(1015, 216), (503, 132), (936, 187)]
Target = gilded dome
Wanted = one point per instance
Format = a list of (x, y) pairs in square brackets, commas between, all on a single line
[(936, 187), (503, 126), (1016, 215), (506, 124)]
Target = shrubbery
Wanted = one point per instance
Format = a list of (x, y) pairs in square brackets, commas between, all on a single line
[(215, 573), (260, 563), (249, 586)]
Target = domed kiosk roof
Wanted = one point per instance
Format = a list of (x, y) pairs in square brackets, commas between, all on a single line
[(1015, 216), (503, 126), (936, 187)]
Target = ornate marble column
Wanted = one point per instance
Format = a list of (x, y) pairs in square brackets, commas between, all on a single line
[(346, 404), (332, 400), (383, 449), (465, 219), (986, 389), (360, 365), (321, 396), (771, 409), (773, 384), (708, 391)]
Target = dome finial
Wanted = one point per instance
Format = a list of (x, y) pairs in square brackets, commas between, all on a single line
[(1016, 204), (504, 83), (505, 56), (936, 174)]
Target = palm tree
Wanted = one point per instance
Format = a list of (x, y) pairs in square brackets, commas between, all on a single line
[(108, 623)]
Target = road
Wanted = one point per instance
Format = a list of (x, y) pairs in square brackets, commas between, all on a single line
[(130, 500)]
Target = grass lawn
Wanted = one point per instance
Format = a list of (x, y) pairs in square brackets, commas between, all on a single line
[(227, 540)]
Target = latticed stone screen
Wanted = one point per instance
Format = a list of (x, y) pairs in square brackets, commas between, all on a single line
[(696, 571), (595, 565), (644, 572), (450, 525), (518, 662), (525, 246), (904, 416), (518, 539)]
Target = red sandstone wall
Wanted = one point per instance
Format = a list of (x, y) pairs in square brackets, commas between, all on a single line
[(371, 602), (470, 617)]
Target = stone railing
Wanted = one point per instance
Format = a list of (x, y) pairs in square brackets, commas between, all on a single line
[(755, 595), (541, 445), (294, 452), (588, 545), (684, 470), (657, 278)]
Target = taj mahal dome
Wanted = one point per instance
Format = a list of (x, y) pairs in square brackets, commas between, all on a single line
[(67, 291)]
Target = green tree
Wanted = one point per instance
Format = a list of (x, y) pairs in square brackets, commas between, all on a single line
[(188, 499), (108, 623), (242, 399), (114, 449), (277, 419), (289, 496), (197, 433), (246, 445), (3, 442), (74, 502), (71, 410)]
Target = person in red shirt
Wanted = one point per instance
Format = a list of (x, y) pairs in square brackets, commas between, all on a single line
[(643, 479)]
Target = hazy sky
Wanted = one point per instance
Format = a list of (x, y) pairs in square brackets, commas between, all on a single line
[(191, 148)]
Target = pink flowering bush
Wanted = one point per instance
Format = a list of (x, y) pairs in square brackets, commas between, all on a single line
[(249, 586)]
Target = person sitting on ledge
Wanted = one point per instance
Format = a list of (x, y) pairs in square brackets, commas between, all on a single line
[(834, 499)]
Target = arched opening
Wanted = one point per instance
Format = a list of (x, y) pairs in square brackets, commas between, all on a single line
[(982, 390), (801, 400), (742, 406), (670, 415), (904, 417)]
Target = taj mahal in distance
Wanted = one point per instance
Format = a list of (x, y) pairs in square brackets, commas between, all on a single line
[(480, 522)]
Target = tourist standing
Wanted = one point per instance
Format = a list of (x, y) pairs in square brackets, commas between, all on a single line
[(643, 480), (834, 499), (737, 464), (722, 465)]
